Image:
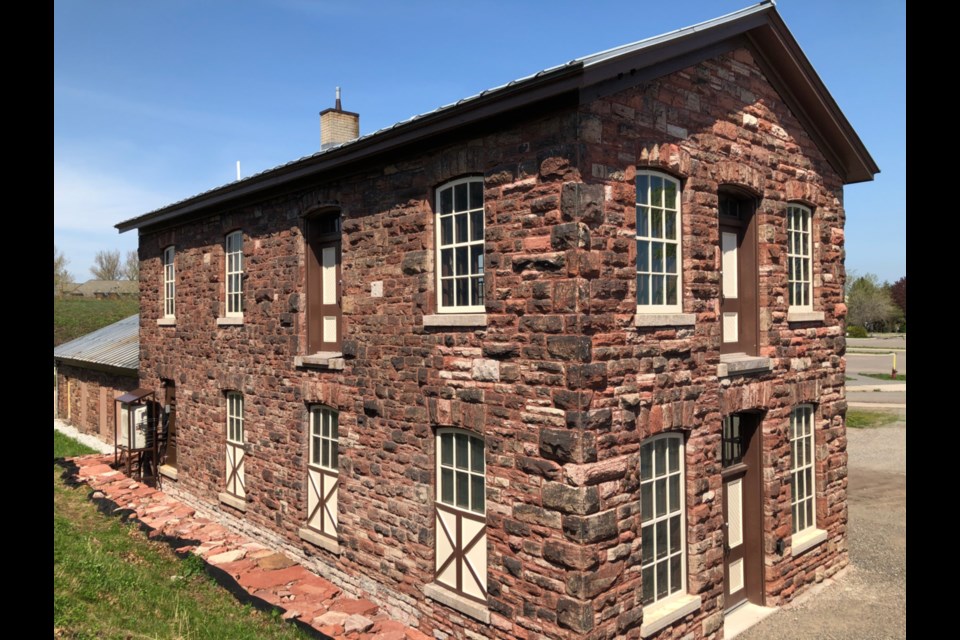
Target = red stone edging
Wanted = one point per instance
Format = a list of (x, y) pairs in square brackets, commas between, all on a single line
[(260, 571)]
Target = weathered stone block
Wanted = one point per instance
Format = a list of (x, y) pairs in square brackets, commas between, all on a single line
[(591, 528), (575, 614), (567, 499)]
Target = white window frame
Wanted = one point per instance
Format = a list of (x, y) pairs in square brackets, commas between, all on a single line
[(803, 472), (673, 482), (470, 472), (233, 263), (235, 417), (447, 218), (321, 444), (647, 237), (169, 282), (799, 257)]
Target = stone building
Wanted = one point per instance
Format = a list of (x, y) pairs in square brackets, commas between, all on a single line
[(561, 360), (91, 371)]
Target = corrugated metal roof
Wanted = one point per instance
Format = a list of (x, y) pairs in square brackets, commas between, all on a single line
[(116, 345), (745, 16)]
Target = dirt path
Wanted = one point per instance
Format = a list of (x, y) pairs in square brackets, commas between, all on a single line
[(869, 600)]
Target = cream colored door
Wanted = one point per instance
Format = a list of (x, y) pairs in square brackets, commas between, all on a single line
[(460, 514), (235, 477)]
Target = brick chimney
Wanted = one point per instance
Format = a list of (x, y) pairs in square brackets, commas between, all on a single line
[(338, 126)]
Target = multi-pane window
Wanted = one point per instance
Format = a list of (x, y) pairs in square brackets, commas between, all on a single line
[(236, 479), (235, 417), (802, 483), (461, 482), (658, 243), (324, 435), (234, 262), (799, 257), (169, 283), (663, 560), (460, 245)]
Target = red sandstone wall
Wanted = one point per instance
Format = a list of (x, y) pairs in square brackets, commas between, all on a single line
[(561, 384)]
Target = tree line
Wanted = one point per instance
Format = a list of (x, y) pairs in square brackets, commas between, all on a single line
[(107, 265), (876, 306)]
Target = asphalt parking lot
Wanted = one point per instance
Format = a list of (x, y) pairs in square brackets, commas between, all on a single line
[(869, 599)]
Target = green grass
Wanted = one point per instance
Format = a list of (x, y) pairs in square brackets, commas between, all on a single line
[(859, 419), (110, 581), (74, 317), (902, 377), (65, 446)]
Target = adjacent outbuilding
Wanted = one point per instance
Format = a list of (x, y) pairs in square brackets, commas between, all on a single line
[(92, 371)]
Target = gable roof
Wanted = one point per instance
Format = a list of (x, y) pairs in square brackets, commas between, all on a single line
[(759, 26), (113, 347)]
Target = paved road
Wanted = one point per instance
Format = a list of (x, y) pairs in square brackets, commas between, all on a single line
[(872, 355), (868, 600)]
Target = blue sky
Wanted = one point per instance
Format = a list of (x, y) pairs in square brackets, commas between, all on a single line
[(156, 100)]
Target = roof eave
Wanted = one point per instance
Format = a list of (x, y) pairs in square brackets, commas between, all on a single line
[(780, 57), (543, 86), (787, 67)]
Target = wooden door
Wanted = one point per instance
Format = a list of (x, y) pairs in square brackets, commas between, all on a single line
[(460, 515), (739, 314), (236, 482), (461, 559), (742, 512), (323, 471), (105, 434), (324, 315), (170, 415)]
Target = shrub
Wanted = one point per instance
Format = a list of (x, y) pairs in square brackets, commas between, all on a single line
[(856, 331)]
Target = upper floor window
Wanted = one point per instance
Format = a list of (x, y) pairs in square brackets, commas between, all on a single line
[(659, 257), (169, 283), (460, 246), (234, 266), (799, 257)]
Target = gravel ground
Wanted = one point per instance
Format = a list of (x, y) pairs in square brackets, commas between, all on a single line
[(869, 599)]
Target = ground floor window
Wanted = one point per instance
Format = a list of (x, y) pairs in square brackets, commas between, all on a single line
[(663, 556), (323, 471), (236, 482), (460, 514), (802, 483)]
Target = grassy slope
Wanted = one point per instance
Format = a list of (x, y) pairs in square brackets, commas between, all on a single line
[(110, 581), (73, 318)]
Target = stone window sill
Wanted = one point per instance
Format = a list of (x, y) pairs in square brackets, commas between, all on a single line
[(455, 320), (465, 606), (660, 615), (231, 321), (664, 319), (738, 364), (168, 471), (167, 321), (319, 540), (320, 360), (805, 316), (233, 501), (806, 540)]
